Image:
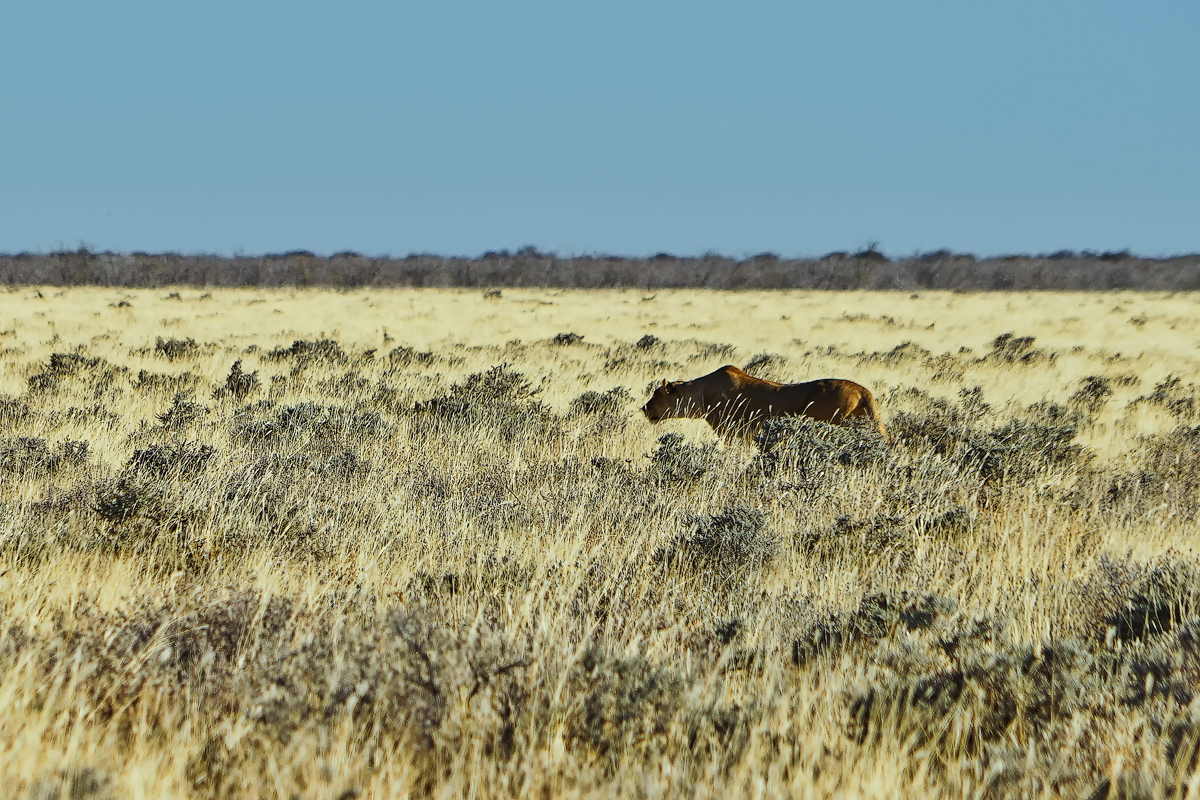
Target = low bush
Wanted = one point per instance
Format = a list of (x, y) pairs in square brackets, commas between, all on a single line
[(176, 349), (676, 461), (735, 540)]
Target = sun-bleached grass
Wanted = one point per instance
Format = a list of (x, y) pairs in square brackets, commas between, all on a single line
[(418, 543)]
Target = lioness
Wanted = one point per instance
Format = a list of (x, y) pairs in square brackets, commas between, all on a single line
[(736, 404)]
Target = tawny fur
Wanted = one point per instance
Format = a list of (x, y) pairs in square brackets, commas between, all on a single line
[(736, 404)]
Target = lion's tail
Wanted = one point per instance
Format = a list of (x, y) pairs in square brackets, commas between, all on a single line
[(873, 412)]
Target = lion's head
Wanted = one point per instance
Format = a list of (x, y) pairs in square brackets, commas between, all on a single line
[(674, 399)]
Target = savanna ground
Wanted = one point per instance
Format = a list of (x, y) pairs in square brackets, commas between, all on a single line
[(421, 543)]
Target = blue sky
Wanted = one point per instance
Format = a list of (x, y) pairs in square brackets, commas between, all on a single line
[(616, 127)]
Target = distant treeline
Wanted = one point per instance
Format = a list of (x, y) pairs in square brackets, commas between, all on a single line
[(866, 269)]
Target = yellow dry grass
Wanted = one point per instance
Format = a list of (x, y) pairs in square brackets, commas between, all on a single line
[(360, 599)]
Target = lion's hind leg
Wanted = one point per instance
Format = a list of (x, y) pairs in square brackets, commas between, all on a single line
[(867, 408)]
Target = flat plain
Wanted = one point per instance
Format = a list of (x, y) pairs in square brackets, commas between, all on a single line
[(389, 543)]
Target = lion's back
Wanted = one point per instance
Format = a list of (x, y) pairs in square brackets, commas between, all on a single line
[(827, 398)]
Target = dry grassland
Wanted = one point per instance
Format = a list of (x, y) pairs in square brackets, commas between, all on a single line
[(417, 543)]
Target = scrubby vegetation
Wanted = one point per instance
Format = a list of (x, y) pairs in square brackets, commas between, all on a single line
[(306, 564), (864, 269)]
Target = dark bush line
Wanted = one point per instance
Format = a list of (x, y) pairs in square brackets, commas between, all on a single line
[(1065, 270)]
